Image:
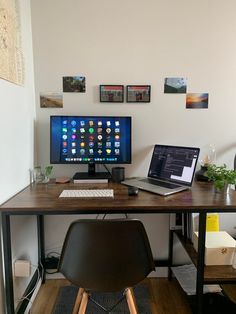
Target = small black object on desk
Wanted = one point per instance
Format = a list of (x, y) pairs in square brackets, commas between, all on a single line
[(118, 174), (200, 174), (132, 190)]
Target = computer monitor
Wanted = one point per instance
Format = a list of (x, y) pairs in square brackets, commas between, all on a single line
[(90, 140)]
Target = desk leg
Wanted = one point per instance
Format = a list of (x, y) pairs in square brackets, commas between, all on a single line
[(170, 255), (7, 267), (185, 223), (201, 262), (41, 244)]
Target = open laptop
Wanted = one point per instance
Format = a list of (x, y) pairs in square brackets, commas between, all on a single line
[(171, 170)]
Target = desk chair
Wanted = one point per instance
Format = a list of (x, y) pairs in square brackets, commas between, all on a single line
[(106, 256)]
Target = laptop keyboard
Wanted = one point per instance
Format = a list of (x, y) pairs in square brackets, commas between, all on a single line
[(161, 183)]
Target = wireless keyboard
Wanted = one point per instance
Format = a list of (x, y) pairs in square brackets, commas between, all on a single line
[(88, 193)]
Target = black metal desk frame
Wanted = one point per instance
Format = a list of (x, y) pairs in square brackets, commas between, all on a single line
[(200, 200), (8, 282)]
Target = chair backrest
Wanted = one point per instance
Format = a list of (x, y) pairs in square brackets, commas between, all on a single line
[(106, 255)]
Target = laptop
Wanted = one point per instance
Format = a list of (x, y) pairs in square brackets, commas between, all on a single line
[(171, 170)]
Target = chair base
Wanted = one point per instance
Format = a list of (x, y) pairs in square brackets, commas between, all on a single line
[(131, 301), (83, 297), (78, 301)]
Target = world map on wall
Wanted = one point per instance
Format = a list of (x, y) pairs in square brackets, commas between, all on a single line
[(11, 60)]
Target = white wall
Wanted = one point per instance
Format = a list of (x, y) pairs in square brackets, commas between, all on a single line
[(17, 112), (139, 42)]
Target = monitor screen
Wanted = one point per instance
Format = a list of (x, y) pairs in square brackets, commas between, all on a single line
[(90, 139)]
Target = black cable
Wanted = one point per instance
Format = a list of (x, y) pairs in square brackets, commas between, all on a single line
[(51, 262), (52, 252), (105, 166)]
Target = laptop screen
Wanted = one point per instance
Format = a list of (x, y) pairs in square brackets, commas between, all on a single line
[(174, 163)]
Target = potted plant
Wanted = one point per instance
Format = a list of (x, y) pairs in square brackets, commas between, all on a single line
[(221, 176), (40, 176), (47, 173)]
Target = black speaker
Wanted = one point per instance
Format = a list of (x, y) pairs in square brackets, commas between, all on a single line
[(118, 174)]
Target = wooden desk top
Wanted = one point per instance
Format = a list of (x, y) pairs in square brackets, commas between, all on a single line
[(44, 199)]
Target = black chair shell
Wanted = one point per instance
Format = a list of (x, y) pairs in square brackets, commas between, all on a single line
[(106, 255)]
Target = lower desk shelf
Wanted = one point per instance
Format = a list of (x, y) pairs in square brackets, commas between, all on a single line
[(212, 274)]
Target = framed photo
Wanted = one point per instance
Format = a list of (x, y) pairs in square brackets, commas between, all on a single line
[(111, 93), (138, 93)]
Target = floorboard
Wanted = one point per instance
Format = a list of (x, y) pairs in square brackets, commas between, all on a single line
[(166, 297)]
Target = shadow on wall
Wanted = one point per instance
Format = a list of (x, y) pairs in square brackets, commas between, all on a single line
[(140, 162), (225, 149), (35, 161)]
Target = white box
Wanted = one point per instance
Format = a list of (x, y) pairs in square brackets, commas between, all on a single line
[(219, 247), (22, 268)]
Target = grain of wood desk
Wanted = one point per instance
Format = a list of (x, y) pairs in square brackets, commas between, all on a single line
[(43, 199)]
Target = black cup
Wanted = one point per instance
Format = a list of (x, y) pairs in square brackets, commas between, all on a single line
[(118, 174)]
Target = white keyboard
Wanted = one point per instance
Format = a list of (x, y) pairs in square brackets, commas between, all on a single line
[(88, 193)]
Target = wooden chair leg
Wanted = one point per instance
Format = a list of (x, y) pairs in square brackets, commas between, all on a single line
[(84, 302), (78, 301), (131, 301)]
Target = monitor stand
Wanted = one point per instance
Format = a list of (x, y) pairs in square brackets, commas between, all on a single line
[(92, 175)]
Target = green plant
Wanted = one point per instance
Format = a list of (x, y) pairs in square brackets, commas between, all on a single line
[(220, 176), (48, 171), (42, 176)]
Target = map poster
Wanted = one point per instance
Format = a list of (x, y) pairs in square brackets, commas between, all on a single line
[(11, 61)]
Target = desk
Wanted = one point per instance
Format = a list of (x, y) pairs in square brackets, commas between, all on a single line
[(42, 199)]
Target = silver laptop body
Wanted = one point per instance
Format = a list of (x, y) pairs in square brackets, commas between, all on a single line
[(171, 170)]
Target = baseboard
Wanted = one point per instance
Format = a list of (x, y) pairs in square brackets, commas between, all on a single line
[(36, 290), (55, 276), (31, 292), (161, 272)]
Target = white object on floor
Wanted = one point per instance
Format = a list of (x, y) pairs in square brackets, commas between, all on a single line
[(186, 276)]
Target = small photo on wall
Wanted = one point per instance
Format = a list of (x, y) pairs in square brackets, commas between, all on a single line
[(138, 93), (74, 84), (197, 101), (51, 100), (111, 93), (175, 85)]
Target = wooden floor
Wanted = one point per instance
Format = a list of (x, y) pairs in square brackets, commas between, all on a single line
[(166, 297)]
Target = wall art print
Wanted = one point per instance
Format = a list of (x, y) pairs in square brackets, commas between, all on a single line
[(138, 93), (51, 100), (175, 85), (111, 93), (73, 84), (11, 60), (197, 100)]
